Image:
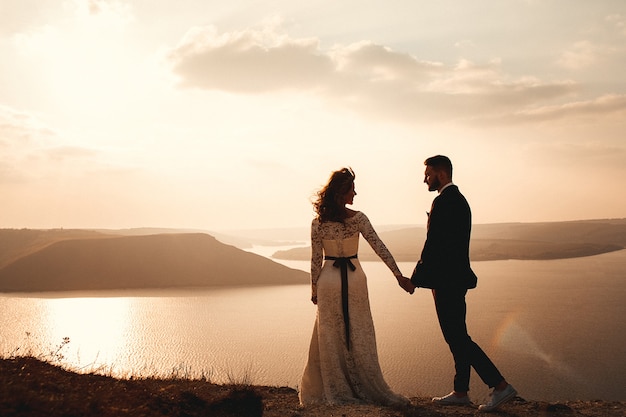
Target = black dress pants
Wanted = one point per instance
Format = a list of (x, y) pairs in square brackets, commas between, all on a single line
[(451, 312)]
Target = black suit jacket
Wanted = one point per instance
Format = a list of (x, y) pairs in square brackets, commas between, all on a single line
[(445, 258)]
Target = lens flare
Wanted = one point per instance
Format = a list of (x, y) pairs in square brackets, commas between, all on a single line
[(513, 337)]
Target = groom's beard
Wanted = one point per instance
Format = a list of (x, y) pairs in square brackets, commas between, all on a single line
[(434, 185)]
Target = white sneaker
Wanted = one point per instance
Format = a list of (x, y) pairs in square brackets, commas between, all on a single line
[(498, 398), (452, 399)]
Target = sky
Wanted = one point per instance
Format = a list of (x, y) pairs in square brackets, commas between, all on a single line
[(221, 115)]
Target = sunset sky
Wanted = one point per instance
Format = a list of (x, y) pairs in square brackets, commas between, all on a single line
[(230, 114)]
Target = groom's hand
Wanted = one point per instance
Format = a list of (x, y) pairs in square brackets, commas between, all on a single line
[(406, 284)]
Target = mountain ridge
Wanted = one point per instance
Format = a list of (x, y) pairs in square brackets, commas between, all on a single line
[(83, 259), (502, 241), (145, 261)]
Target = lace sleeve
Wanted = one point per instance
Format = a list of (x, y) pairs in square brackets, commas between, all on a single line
[(368, 232), (317, 255)]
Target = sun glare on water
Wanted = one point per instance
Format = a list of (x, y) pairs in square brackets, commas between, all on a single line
[(97, 328)]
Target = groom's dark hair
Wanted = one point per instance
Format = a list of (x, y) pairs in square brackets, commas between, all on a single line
[(440, 162)]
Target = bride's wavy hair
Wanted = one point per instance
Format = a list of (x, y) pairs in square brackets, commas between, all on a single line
[(329, 204)]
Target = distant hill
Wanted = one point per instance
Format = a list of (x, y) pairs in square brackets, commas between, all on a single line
[(96, 261), (15, 243), (66, 259), (243, 239), (555, 240)]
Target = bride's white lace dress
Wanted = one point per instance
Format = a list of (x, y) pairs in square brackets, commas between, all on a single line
[(336, 373)]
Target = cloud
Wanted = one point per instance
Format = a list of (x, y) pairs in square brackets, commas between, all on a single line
[(103, 13), (580, 55), (18, 15), (62, 153), (364, 76), (248, 61), (20, 132), (30, 149), (465, 43), (22, 126), (607, 105), (602, 50), (619, 22)]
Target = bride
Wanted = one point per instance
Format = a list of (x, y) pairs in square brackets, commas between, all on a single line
[(343, 363)]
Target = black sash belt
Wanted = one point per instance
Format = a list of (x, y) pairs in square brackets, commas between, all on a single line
[(343, 263)]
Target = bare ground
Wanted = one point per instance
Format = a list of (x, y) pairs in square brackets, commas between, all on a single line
[(31, 387)]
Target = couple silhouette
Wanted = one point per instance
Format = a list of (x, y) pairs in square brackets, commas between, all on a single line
[(342, 365)]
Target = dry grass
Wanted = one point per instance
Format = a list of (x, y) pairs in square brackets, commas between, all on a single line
[(33, 387)]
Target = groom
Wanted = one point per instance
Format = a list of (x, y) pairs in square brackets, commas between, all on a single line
[(444, 267)]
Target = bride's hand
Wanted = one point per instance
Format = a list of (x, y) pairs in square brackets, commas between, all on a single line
[(406, 284)]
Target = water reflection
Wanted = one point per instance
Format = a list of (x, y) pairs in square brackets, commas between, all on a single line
[(97, 328)]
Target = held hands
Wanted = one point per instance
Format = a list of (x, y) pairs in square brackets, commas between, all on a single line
[(406, 284)]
